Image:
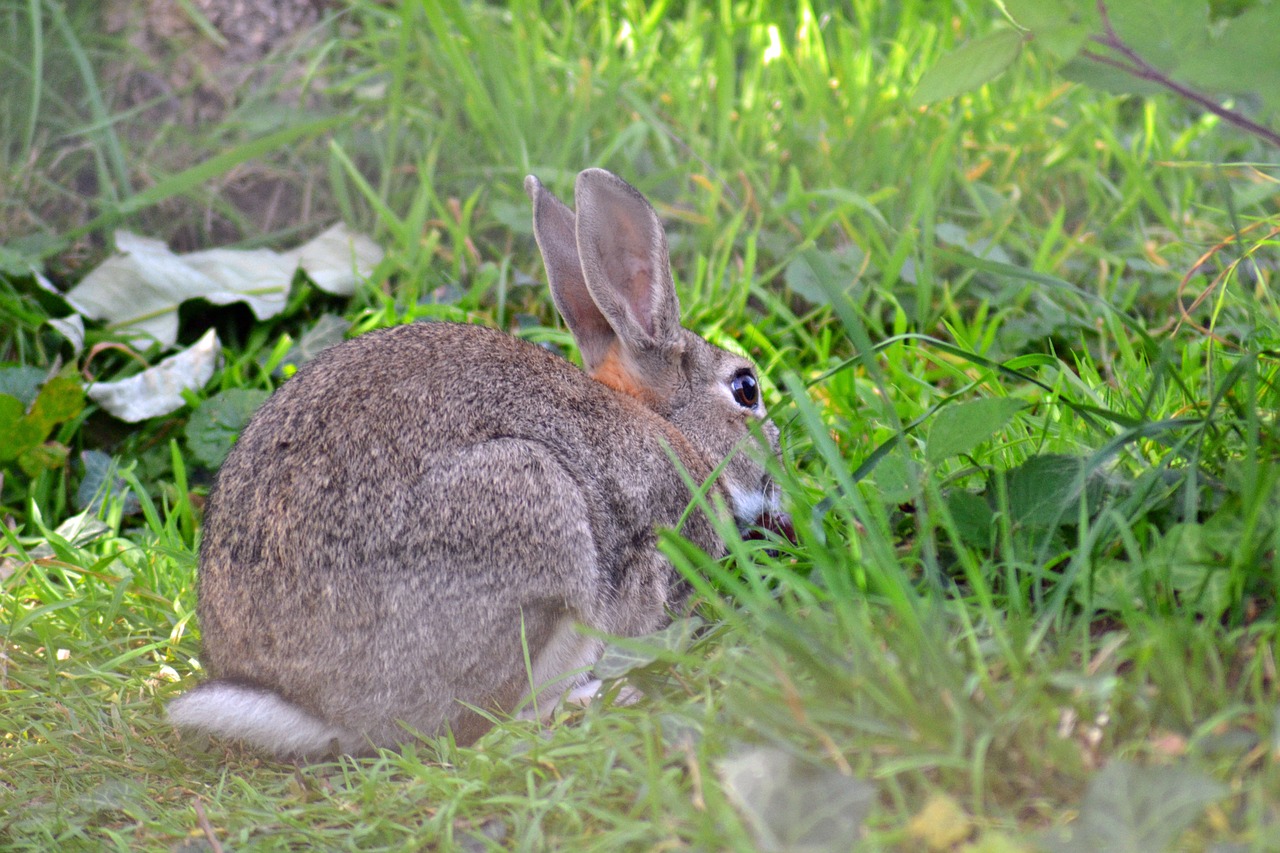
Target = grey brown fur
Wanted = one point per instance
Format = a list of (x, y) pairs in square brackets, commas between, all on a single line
[(417, 504)]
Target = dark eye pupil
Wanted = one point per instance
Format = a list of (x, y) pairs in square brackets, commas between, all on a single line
[(745, 390)]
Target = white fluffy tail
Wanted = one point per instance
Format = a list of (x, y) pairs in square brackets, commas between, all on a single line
[(260, 718)]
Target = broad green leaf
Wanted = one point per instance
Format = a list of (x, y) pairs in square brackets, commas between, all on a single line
[(22, 382), (15, 264), (17, 432), (1059, 27), (792, 805), (814, 274), (1045, 490), (897, 476), (1116, 585), (11, 411), (968, 67), (960, 427), (620, 658), (216, 424), (1242, 58), (513, 216), (1160, 31), (1107, 79), (617, 661), (61, 399), (973, 517), (1132, 809), (1183, 30), (70, 327), (1187, 564), (1189, 561), (101, 480), (42, 457)]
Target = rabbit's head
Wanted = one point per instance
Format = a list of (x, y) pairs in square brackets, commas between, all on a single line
[(609, 271)]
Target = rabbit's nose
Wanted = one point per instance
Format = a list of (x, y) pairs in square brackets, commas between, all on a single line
[(774, 522)]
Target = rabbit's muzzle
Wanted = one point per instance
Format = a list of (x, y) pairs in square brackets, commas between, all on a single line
[(771, 521)]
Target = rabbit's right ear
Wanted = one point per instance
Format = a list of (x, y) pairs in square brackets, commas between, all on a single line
[(555, 229)]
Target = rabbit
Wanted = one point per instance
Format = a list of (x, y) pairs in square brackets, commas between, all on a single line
[(420, 506)]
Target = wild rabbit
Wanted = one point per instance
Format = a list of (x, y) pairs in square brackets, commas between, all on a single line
[(419, 505)]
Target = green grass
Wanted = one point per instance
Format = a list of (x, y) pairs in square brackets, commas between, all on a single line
[(972, 315)]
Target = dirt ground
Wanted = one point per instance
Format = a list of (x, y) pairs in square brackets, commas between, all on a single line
[(197, 78), (199, 64)]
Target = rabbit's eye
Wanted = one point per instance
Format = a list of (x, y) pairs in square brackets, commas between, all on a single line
[(746, 392)]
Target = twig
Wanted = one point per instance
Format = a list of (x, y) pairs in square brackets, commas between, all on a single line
[(1138, 67), (1184, 310), (204, 825)]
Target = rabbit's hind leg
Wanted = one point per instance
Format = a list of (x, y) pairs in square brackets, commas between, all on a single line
[(513, 557), (562, 665)]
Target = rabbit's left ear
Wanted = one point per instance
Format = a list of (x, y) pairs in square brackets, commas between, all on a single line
[(626, 264), (554, 229)]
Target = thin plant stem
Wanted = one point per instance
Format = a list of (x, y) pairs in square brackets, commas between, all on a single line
[(1136, 66)]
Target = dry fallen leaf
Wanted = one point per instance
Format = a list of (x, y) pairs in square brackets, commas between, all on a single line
[(138, 291), (158, 390)]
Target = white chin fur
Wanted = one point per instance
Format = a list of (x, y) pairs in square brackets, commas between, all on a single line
[(259, 718), (749, 506)]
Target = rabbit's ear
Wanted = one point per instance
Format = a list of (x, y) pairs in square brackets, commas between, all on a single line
[(553, 227), (624, 259)]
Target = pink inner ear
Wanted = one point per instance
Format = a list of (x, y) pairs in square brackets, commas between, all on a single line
[(639, 289), (623, 250)]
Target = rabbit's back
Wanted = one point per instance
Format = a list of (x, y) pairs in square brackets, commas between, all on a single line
[(420, 502)]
